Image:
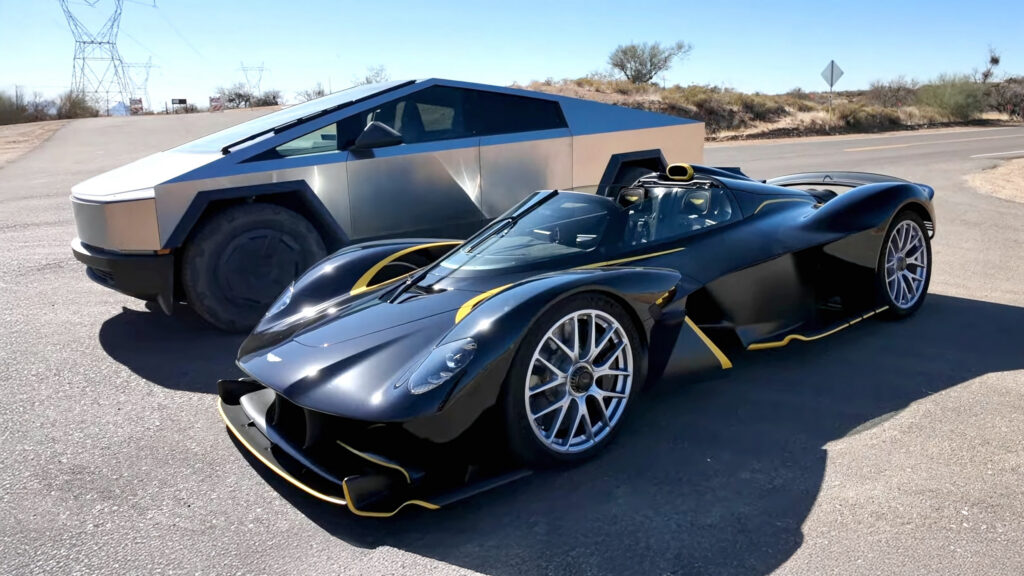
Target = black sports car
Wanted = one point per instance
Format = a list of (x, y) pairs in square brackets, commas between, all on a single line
[(383, 376)]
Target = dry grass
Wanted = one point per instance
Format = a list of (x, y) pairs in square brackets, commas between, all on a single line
[(1004, 181), (17, 139)]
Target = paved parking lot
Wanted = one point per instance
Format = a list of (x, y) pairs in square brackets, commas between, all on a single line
[(889, 448)]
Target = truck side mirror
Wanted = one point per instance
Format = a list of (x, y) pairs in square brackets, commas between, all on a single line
[(377, 135)]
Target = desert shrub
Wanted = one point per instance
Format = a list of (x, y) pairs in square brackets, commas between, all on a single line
[(73, 104), (956, 97), (894, 93), (860, 117), (1008, 97), (912, 115), (713, 105), (760, 107)]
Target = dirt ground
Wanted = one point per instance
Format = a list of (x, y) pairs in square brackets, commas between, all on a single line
[(16, 139), (1004, 181)]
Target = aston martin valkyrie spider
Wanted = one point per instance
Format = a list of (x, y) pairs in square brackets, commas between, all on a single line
[(417, 371)]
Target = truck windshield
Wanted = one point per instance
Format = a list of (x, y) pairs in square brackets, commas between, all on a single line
[(218, 140)]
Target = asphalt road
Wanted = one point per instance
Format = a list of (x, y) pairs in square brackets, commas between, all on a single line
[(889, 448)]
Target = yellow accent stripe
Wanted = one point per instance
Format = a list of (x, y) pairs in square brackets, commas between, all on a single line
[(473, 302), (722, 359), (291, 480), (369, 514), (362, 285), (377, 461), (466, 308), (801, 337), (767, 202), (630, 259)]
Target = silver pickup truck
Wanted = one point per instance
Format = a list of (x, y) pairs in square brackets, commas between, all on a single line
[(225, 222)]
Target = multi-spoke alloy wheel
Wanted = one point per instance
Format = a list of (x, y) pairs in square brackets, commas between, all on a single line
[(903, 268), (906, 264), (579, 380)]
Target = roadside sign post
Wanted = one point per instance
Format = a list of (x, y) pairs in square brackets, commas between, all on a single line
[(832, 73)]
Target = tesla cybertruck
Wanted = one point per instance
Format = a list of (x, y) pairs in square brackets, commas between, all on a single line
[(526, 345), (225, 222)]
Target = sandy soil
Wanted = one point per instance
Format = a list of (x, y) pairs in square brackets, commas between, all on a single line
[(1004, 181), (16, 139)]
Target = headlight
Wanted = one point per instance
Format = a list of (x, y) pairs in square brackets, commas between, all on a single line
[(282, 301), (443, 363)]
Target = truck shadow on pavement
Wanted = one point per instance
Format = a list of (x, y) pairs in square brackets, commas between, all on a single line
[(712, 476), (715, 476), (180, 352)]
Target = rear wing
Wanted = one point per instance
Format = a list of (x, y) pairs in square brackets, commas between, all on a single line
[(844, 179), (848, 179)]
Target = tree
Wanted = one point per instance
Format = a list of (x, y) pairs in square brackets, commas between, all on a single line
[(39, 108), (990, 69), (374, 75), (268, 98), (311, 93), (72, 104), (640, 63), (236, 96)]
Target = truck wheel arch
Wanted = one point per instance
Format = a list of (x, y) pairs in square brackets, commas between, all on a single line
[(295, 195)]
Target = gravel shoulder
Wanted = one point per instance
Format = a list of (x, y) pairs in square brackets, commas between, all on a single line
[(1005, 180), (17, 139)]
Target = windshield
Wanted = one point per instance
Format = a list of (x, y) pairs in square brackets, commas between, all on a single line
[(218, 140), (567, 224)]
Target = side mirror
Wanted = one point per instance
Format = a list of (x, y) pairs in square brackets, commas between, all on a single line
[(377, 135)]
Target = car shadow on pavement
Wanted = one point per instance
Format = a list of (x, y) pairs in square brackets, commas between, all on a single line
[(713, 476), (180, 352)]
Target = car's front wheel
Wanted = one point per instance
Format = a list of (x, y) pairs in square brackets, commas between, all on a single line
[(904, 265), (239, 260), (571, 381)]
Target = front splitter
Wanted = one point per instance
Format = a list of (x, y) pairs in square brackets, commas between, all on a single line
[(375, 488)]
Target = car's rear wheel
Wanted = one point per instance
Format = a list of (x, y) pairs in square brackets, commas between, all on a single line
[(571, 381), (242, 258), (904, 265)]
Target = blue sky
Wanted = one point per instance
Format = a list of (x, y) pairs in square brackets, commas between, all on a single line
[(198, 45)]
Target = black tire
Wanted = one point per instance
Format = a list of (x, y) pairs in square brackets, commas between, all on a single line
[(897, 310), (241, 259), (523, 441)]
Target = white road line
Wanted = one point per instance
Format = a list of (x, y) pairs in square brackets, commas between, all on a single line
[(930, 142), (998, 154)]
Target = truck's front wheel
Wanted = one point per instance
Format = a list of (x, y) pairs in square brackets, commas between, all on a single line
[(239, 260)]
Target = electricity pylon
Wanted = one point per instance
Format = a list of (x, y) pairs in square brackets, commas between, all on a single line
[(99, 71)]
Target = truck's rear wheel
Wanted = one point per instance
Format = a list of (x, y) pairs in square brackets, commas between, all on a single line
[(239, 260)]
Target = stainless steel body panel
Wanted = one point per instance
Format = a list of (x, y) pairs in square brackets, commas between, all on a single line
[(414, 187), (129, 226), (590, 152), (328, 180), (534, 161)]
